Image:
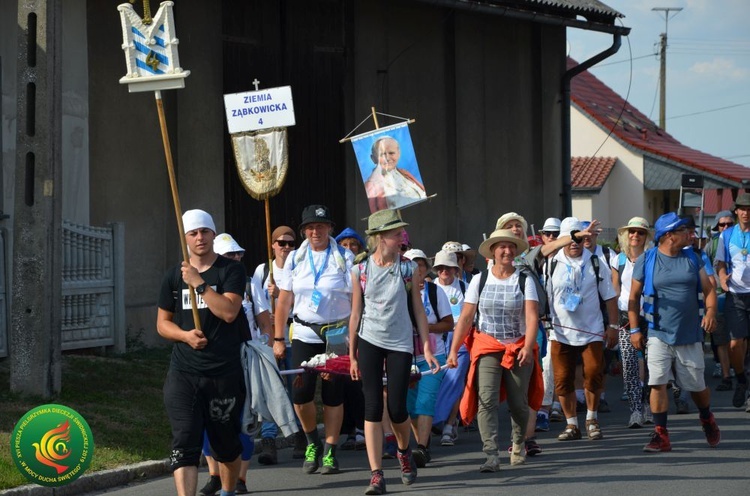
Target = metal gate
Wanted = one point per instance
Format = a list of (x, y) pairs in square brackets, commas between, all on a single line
[(92, 287)]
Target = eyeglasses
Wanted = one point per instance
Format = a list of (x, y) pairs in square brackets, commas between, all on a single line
[(551, 234), (636, 231), (282, 243), (725, 224), (441, 268)]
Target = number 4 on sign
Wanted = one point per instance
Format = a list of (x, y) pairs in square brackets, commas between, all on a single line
[(260, 121)]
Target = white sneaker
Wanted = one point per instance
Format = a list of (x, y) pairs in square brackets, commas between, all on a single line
[(450, 434), (648, 417), (636, 420)]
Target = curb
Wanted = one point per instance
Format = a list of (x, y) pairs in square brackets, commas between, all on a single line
[(95, 481)]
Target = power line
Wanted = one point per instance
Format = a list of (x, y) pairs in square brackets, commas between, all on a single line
[(626, 60), (710, 110)]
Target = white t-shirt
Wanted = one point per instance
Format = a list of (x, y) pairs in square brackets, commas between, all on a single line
[(256, 307), (444, 308), (625, 281), (455, 296), (576, 277), (334, 285), (501, 305), (258, 276), (739, 280)]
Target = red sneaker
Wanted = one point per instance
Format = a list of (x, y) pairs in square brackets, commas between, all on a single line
[(659, 441), (711, 430)]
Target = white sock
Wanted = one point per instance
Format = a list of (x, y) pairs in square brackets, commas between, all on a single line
[(591, 415), (572, 421)]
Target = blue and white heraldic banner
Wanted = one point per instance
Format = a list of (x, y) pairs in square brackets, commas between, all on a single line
[(150, 48)]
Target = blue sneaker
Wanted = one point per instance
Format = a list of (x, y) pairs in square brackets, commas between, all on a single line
[(389, 450), (542, 423)]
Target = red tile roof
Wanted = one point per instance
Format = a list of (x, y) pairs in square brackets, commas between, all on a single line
[(635, 129), (590, 174)]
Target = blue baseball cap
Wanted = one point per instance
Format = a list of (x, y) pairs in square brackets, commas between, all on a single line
[(667, 223)]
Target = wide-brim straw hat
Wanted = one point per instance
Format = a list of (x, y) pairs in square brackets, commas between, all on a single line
[(637, 223), (502, 235)]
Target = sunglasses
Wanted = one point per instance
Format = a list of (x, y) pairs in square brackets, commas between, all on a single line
[(282, 243), (442, 268), (636, 231), (551, 234), (725, 224)]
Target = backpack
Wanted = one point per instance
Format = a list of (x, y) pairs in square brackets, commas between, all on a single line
[(266, 270), (727, 235), (621, 259), (650, 297), (524, 271)]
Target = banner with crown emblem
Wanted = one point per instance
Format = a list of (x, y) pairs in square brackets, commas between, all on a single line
[(262, 160)]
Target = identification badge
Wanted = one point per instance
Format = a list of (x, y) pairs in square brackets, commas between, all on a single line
[(315, 299), (572, 301)]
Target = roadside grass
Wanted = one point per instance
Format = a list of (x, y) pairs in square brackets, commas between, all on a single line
[(120, 397)]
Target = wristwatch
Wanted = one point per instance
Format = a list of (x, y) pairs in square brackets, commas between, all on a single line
[(614, 326), (201, 288)]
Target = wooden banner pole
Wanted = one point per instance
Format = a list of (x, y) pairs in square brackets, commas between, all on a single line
[(269, 242), (176, 199), (375, 118)]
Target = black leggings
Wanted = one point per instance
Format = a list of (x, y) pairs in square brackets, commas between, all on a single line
[(398, 370), (303, 390)]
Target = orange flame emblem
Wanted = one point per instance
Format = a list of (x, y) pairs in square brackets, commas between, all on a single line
[(53, 447)]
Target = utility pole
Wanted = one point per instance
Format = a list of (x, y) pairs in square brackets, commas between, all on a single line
[(663, 64), (35, 351)]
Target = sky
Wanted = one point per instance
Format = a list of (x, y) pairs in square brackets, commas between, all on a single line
[(708, 69)]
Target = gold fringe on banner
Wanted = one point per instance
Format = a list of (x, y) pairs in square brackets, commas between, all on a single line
[(262, 159)]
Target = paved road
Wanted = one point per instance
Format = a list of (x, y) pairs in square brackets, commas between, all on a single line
[(613, 466)]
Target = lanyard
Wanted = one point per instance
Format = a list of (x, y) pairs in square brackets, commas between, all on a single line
[(317, 273), (744, 245), (426, 301)]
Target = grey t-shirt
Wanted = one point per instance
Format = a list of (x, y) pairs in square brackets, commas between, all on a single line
[(385, 316), (676, 286)]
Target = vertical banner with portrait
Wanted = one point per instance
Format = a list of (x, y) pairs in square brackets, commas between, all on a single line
[(389, 167)]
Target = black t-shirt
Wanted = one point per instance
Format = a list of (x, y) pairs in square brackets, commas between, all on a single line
[(221, 356)]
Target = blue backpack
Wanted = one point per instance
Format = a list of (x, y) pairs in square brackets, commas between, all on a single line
[(650, 297)]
